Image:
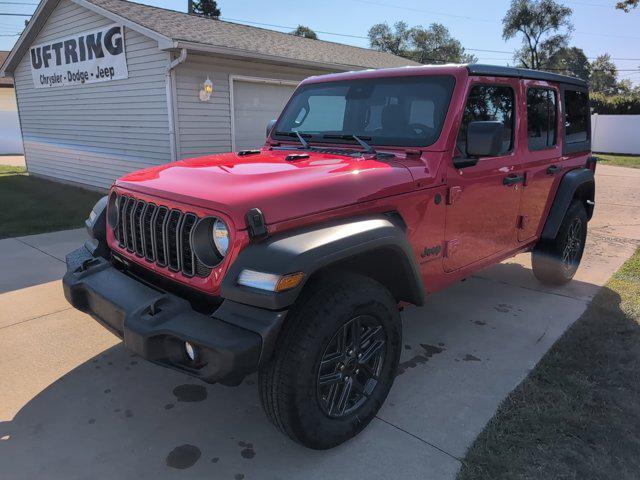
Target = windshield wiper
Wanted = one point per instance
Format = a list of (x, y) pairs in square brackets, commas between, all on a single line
[(350, 136), (303, 142)]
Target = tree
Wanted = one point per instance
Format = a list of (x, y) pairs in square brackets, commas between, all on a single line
[(435, 44), (424, 45), (604, 75), (627, 5), (305, 32), (545, 27), (206, 8), (397, 42), (570, 61)]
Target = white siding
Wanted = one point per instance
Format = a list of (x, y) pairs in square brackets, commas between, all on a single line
[(94, 133), (205, 127)]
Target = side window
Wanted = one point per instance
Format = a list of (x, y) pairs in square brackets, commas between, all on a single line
[(487, 102), (576, 107), (541, 118)]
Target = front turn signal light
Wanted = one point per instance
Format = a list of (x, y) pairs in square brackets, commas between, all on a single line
[(287, 282), (269, 281)]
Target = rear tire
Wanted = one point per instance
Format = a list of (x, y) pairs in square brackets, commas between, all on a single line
[(335, 361), (556, 261)]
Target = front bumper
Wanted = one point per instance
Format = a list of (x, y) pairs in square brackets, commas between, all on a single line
[(230, 343)]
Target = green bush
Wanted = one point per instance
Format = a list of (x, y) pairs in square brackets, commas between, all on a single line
[(615, 104)]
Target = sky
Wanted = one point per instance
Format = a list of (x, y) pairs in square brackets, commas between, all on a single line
[(599, 27)]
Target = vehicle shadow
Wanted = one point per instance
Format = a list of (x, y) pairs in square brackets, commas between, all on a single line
[(118, 416)]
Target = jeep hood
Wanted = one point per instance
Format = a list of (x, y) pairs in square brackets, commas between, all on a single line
[(283, 189)]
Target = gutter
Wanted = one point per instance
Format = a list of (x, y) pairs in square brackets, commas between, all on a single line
[(169, 77), (240, 54)]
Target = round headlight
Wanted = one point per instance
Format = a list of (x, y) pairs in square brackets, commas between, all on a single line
[(221, 236)]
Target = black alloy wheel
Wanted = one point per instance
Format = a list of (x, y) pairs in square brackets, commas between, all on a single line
[(350, 367), (573, 244)]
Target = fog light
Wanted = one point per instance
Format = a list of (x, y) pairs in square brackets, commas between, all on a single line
[(191, 351)]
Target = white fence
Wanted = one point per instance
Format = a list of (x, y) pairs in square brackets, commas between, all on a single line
[(615, 133)]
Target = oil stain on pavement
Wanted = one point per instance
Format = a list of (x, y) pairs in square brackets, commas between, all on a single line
[(471, 358), (184, 456), (190, 393), (247, 450)]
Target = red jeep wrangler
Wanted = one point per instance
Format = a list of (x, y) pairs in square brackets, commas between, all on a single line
[(372, 190)]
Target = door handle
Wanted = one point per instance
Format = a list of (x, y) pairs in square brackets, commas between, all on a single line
[(513, 179), (553, 169)]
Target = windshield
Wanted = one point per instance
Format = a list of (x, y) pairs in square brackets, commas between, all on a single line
[(400, 111)]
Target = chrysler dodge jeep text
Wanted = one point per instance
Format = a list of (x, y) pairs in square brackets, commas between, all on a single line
[(373, 190)]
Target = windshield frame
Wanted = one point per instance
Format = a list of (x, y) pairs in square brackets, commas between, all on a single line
[(398, 142)]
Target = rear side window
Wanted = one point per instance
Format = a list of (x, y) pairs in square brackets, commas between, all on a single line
[(484, 103), (541, 118), (576, 107)]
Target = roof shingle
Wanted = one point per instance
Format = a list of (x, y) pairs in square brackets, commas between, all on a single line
[(207, 31)]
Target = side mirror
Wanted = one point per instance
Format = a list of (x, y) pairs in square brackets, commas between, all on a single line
[(270, 126), (484, 139)]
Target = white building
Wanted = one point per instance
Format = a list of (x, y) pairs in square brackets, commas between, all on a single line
[(10, 141), (105, 87)]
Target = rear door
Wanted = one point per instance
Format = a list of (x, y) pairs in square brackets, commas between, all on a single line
[(541, 156), (483, 200), (255, 102)]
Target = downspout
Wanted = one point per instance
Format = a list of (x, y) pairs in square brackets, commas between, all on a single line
[(171, 102)]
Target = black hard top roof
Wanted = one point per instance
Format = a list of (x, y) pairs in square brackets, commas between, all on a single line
[(498, 71)]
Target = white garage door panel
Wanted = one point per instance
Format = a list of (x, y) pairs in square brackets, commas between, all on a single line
[(254, 104)]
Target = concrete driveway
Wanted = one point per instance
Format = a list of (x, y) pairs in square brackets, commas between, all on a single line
[(75, 404)]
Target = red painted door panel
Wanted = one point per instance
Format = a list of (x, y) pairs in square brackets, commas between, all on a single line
[(481, 210), (482, 219), (540, 155)]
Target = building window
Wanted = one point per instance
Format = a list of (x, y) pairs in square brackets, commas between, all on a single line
[(541, 118), (576, 107), (489, 103)]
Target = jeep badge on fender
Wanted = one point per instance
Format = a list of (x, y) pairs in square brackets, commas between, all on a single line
[(373, 189)]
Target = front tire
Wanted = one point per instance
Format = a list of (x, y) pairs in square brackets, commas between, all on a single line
[(335, 361), (556, 261)]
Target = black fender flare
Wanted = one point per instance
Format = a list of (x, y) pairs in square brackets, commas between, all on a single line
[(312, 249), (578, 180)]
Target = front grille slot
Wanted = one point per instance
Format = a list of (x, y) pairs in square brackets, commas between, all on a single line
[(171, 228), (136, 221), (159, 235), (188, 257), (127, 227), (147, 237)]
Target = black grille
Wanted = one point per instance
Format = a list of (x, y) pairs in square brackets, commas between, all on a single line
[(159, 235)]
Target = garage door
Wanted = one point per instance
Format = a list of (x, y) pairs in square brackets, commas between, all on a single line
[(254, 104)]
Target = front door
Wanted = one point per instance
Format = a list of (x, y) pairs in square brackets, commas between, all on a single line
[(541, 156), (483, 200)]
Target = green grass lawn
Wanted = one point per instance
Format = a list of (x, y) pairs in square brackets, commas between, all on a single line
[(577, 414), (32, 205), (632, 161)]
